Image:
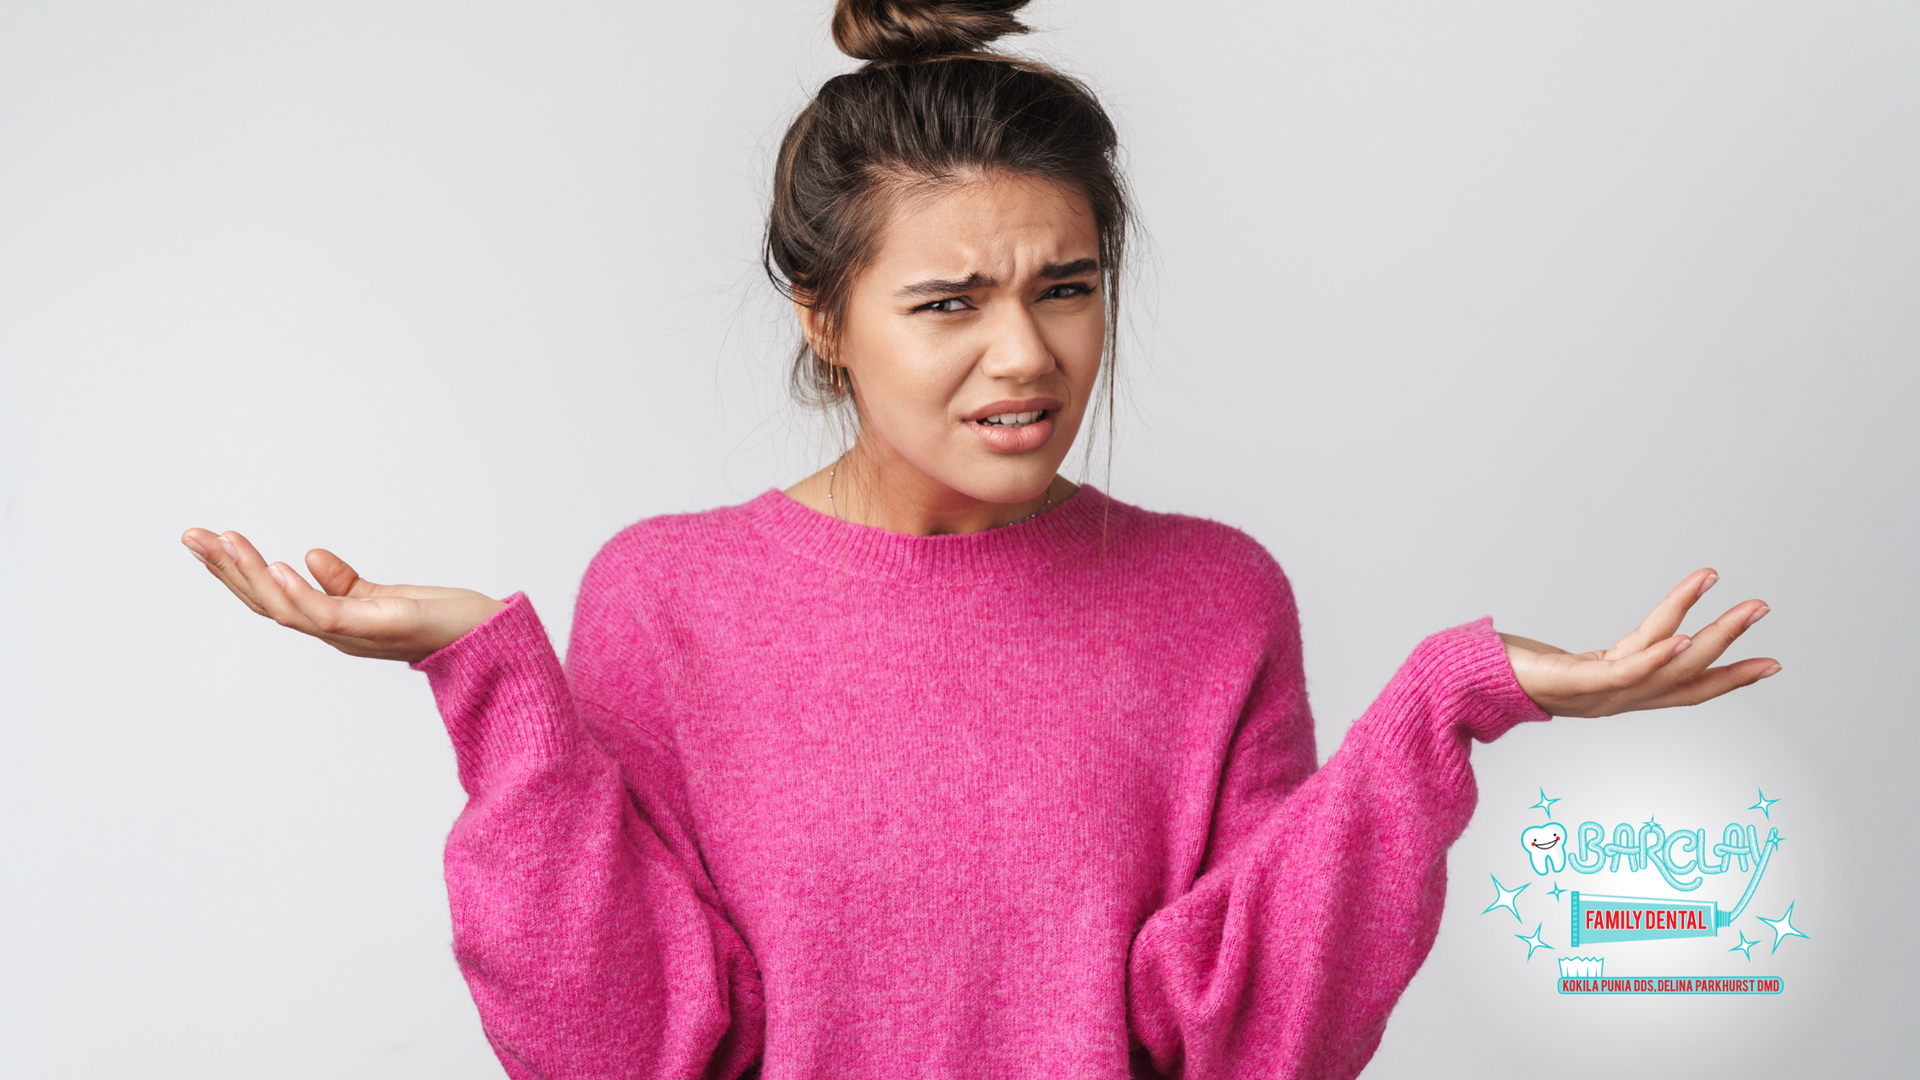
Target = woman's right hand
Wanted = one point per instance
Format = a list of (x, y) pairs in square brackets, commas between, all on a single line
[(391, 622)]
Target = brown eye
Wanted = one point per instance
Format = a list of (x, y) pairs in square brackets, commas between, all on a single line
[(1067, 291), (951, 304)]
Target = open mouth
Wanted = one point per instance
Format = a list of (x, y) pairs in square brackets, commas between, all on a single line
[(1015, 419), (1016, 425)]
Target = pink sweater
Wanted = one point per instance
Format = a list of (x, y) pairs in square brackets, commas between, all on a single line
[(814, 799)]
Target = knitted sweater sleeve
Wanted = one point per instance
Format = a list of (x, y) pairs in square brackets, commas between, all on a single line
[(1320, 893), (592, 944)]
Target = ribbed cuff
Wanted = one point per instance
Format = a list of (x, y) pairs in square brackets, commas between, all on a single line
[(503, 695), (1474, 682)]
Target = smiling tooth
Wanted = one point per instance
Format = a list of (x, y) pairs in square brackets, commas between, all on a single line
[(1546, 847)]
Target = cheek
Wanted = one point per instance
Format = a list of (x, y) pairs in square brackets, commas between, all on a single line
[(1076, 346), (908, 378)]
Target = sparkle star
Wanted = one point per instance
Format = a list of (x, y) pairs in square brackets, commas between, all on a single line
[(1745, 946), (1553, 892), (1533, 941), (1765, 805), (1504, 898), (1791, 930), (1650, 820), (1545, 804)]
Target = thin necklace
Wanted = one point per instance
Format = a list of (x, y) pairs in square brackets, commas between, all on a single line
[(1002, 525)]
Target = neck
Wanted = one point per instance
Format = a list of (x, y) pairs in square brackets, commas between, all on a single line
[(872, 485)]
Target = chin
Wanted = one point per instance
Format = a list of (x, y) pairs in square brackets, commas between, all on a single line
[(1009, 485)]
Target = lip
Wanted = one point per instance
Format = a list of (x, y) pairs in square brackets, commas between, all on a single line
[(1022, 440), (1008, 405)]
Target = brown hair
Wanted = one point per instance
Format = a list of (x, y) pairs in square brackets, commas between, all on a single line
[(928, 108)]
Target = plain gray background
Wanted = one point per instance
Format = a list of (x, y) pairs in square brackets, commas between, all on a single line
[(1474, 308)]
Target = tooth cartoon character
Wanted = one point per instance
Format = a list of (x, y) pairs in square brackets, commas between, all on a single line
[(1546, 847)]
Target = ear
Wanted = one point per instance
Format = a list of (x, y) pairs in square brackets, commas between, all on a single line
[(810, 322)]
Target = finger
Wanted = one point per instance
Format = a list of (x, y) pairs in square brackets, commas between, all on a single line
[(1713, 682), (1713, 640), (195, 541), (219, 559), (319, 612), (335, 576), (1664, 621), (267, 585)]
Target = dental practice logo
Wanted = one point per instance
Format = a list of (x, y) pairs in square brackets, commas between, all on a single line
[(1592, 926)]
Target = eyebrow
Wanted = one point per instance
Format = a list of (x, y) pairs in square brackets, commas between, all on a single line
[(1076, 268), (948, 287)]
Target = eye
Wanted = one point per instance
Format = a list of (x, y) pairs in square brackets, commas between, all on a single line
[(1067, 291), (953, 303)]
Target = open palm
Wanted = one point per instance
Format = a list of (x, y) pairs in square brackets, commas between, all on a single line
[(354, 615), (1653, 667)]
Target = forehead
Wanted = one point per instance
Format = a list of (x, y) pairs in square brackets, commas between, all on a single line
[(1007, 222)]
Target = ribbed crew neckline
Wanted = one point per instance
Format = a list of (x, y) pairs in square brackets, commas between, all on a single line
[(1005, 551)]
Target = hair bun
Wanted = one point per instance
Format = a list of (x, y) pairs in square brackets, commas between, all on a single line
[(904, 29)]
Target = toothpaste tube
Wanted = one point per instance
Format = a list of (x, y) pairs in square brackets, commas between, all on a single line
[(1600, 919)]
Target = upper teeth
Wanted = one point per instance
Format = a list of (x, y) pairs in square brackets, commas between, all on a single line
[(1014, 419)]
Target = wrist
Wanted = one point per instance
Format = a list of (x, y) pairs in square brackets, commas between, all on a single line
[(457, 620), (1484, 666)]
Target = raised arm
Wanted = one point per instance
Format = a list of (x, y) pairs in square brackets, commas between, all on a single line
[(587, 931), (1319, 899)]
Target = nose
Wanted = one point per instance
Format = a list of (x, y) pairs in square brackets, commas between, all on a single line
[(1015, 348)]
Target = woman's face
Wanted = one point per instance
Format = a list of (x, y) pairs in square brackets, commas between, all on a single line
[(974, 339)]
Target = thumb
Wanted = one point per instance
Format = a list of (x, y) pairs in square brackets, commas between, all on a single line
[(335, 576)]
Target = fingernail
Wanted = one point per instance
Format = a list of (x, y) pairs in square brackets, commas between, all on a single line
[(277, 578), (1770, 672), (1685, 644), (1758, 614), (232, 552), (198, 551), (1709, 583)]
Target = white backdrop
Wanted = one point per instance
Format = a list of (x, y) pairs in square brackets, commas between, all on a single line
[(1461, 309)]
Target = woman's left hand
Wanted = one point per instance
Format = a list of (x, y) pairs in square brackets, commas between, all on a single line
[(1652, 668)]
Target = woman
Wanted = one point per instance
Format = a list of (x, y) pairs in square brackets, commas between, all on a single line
[(935, 763)]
